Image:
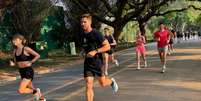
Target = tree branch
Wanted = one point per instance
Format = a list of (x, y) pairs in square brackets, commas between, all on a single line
[(81, 5), (176, 10), (135, 14), (196, 8), (120, 5), (107, 5)]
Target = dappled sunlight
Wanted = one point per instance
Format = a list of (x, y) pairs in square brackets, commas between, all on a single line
[(191, 57), (192, 50), (129, 54), (182, 84), (194, 54)]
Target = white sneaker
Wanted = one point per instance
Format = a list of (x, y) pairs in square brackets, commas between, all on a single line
[(138, 67), (163, 69), (169, 53), (114, 85), (145, 64), (43, 99), (117, 63), (106, 73), (38, 94)]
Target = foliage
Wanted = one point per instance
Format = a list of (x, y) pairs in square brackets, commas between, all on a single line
[(6, 31)]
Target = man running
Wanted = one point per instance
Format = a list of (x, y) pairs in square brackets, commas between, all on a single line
[(162, 37), (109, 54), (94, 45)]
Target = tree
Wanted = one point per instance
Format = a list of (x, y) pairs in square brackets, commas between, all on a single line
[(27, 16), (117, 13)]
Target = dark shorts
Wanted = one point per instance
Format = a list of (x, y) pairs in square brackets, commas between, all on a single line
[(93, 67), (171, 41), (26, 73), (111, 51)]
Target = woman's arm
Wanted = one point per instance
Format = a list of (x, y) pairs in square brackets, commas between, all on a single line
[(13, 61), (32, 52), (114, 41)]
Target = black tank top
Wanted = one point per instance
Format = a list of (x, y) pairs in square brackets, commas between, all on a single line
[(109, 38), (22, 57)]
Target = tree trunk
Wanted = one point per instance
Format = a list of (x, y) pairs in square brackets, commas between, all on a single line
[(142, 26), (117, 31)]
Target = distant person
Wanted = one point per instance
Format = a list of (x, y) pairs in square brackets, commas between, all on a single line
[(172, 37), (94, 45), (162, 37), (24, 57), (180, 36), (140, 49), (109, 54), (199, 35)]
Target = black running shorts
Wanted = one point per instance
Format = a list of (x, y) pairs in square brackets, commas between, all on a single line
[(93, 67), (111, 51), (26, 73)]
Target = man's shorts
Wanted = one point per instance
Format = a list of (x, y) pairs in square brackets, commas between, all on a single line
[(93, 67), (164, 49)]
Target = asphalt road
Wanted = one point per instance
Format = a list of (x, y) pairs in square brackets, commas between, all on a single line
[(181, 82)]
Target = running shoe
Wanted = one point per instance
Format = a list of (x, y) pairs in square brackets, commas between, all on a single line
[(145, 64), (114, 85), (117, 63), (38, 94), (43, 99), (138, 67), (163, 69), (106, 73)]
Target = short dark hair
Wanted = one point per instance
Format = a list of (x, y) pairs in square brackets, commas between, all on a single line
[(173, 31), (161, 22), (86, 15)]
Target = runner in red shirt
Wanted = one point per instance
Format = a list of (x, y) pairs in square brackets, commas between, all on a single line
[(162, 37)]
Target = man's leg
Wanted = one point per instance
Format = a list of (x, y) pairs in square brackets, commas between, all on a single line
[(89, 88), (160, 55), (164, 56), (104, 81)]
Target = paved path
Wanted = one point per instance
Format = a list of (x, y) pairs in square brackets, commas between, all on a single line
[(181, 82)]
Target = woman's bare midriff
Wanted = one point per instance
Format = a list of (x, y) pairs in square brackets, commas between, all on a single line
[(24, 64)]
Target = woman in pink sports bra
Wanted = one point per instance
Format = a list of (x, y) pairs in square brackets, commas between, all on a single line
[(140, 49)]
